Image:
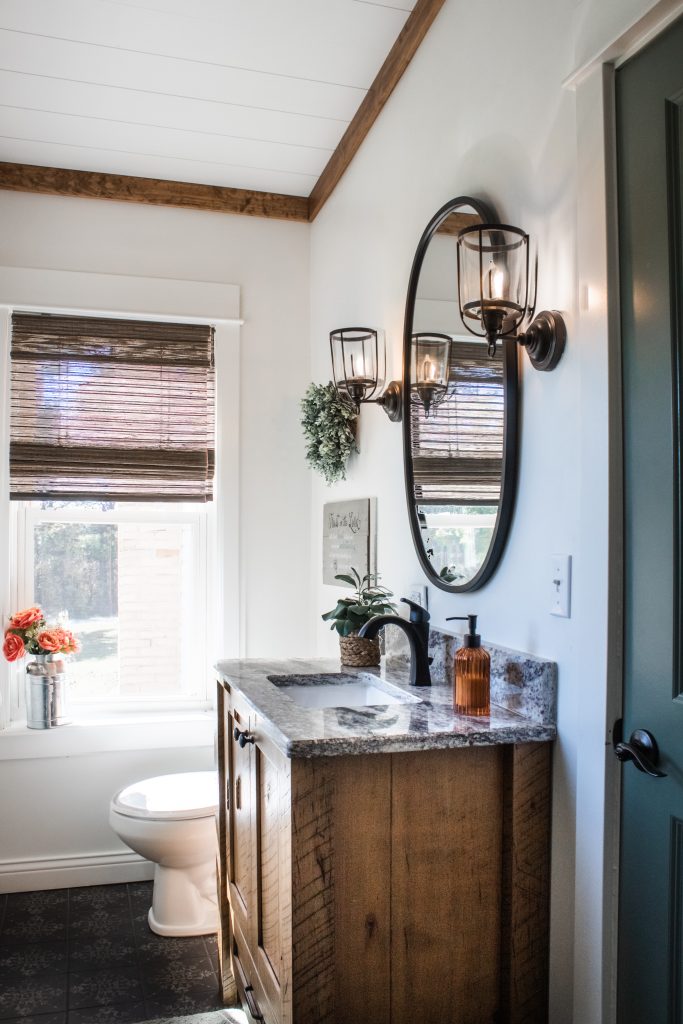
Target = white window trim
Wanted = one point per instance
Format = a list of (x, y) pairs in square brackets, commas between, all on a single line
[(217, 303), (98, 734)]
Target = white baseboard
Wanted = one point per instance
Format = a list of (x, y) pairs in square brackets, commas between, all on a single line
[(29, 875)]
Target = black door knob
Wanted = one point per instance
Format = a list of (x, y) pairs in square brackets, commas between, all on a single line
[(642, 749)]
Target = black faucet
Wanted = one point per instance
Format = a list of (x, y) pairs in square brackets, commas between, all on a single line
[(417, 631)]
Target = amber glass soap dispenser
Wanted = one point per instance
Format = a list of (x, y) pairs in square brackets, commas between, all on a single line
[(472, 683)]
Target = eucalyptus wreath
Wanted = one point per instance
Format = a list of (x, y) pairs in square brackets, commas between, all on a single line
[(328, 423)]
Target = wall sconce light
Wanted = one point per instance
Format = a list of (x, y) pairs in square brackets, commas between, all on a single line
[(430, 368), (497, 292), (359, 369)]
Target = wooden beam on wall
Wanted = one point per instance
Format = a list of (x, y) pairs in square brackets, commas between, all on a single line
[(455, 222), (57, 181), (386, 80)]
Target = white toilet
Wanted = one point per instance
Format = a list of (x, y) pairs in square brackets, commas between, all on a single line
[(171, 820)]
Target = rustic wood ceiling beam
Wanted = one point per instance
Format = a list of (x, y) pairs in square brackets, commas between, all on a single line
[(57, 181), (386, 80), (454, 224)]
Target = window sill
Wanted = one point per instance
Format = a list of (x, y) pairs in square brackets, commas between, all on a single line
[(102, 732)]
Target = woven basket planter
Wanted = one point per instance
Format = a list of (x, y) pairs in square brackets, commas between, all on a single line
[(358, 652)]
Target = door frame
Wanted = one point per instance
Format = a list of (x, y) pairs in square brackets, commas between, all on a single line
[(598, 322)]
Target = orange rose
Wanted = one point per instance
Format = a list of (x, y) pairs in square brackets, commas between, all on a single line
[(51, 639), (13, 647), (71, 644), (22, 620)]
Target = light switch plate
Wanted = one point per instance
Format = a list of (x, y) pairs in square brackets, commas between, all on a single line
[(561, 585)]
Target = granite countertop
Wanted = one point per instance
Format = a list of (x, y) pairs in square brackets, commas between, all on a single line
[(426, 723)]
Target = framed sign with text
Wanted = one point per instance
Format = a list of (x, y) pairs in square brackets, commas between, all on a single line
[(349, 538)]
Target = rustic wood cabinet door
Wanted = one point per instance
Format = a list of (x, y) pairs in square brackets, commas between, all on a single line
[(241, 865), (272, 953)]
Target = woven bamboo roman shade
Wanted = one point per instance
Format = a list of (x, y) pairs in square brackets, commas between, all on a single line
[(118, 410), (458, 451)]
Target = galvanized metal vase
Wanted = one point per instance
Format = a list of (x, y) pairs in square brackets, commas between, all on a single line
[(46, 693)]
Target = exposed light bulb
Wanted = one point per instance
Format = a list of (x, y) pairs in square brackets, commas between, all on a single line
[(496, 282), (356, 366), (428, 369)]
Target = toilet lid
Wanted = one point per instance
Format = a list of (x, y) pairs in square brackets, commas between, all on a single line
[(187, 795)]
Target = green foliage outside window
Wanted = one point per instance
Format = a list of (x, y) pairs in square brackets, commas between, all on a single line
[(76, 568)]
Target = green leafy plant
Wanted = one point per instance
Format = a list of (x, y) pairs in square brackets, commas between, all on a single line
[(328, 424), (370, 599), (449, 574)]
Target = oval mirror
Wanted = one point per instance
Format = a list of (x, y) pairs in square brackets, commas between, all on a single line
[(459, 416)]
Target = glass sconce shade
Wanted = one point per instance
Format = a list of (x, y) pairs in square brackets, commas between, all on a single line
[(429, 371), (496, 283), (358, 362)]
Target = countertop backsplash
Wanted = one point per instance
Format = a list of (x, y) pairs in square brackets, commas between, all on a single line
[(522, 683)]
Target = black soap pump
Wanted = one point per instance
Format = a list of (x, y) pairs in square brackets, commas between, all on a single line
[(472, 672)]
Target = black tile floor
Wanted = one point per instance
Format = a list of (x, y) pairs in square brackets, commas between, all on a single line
[(88, 956)]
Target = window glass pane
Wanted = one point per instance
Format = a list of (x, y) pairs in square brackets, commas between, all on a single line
[(76, 575), (127, 589)]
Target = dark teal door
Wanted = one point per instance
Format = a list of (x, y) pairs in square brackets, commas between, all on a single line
[(650, 169)]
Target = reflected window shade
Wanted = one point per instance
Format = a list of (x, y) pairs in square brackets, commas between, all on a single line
[(457, 453), (115, 410)]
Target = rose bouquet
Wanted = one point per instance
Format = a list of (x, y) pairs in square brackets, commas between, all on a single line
[(29, 633)]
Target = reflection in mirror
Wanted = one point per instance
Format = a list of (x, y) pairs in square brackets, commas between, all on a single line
[(457, 461), (431, 355), (459, 451)]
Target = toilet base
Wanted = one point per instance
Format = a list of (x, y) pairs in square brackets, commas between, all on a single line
[(179, 931), (184, 901)]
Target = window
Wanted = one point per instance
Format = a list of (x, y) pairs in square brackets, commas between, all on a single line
[(457, 535), (111, 472), (111, 409), (132, 580)]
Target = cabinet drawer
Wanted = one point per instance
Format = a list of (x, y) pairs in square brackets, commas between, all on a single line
[(246, 990)]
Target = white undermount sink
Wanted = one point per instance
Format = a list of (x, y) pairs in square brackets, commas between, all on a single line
[(341, 690)]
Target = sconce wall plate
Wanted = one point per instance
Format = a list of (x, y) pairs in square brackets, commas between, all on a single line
[(544, 339), (392, 401)]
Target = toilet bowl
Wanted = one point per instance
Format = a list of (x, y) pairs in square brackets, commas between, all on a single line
[(171, 821)]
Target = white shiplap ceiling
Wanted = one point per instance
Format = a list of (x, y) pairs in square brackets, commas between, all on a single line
[(253, 94)]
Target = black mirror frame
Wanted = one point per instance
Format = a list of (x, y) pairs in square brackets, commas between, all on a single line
[(510, 421)]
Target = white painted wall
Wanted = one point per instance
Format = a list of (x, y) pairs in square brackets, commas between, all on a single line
[(55, 813), (269, 261), (54, 808), (600, 23), (507, 132)]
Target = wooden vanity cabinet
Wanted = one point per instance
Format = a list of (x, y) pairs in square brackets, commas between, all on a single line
[(254, 868), (383, 887)]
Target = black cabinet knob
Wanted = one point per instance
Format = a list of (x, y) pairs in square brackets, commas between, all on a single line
[(242, 736)]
